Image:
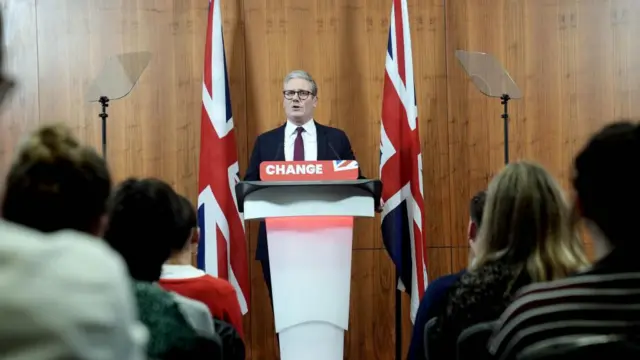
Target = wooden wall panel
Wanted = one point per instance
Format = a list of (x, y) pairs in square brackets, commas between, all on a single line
[(154, 131), (20, 111), (577, 63)]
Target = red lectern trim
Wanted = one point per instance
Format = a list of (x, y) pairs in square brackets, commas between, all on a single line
[(299, 223)]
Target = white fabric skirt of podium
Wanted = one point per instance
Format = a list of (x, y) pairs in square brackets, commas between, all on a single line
[(310, 261)]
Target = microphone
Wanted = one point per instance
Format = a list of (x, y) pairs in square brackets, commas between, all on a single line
[(279, 150), (334, 151)]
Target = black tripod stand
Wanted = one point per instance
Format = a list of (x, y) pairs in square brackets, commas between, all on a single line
[(491, 79), (104, 101), (116, 79), (504, 100)]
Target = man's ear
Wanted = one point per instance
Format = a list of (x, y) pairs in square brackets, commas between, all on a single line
[(472, 231), (195, 236)]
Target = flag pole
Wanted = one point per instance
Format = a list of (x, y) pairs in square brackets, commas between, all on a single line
[(398, 319)]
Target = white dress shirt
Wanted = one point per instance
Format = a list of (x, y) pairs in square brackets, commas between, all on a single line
[(309, 139)]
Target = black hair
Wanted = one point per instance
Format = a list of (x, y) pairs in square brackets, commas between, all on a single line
[(607, 181), (187, 220), (56, 183), (476, 207), (145, 219)]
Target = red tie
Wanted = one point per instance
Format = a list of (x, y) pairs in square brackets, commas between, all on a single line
[(298, 146)]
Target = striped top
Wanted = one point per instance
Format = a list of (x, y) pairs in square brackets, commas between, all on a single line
[(601, 301)]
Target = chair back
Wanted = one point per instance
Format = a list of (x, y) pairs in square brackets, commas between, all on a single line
[(580, 347), (232, 344), (472, 342), (428, 328)]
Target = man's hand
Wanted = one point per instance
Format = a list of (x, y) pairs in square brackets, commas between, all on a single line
[(379, 209)]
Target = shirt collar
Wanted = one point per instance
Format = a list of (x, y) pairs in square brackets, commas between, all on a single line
[(309, 127), (170, 271)]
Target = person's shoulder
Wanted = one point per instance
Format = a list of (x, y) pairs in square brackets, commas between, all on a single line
[(532, 306), (77, 275), (74, 254), (330, 130), (192, 304), (269, 137), (443, 282), (196, 313), (222, 286), (537, 295), (272, 132), (66, 258), (554, 287), (90, 247)]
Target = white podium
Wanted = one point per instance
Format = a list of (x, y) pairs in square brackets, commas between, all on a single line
[(309, 236)]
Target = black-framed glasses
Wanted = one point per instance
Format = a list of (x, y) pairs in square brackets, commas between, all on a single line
[(302, 94)]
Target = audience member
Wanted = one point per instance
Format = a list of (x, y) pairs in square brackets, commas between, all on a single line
[(64, 294), (525, 237), (56, 183), (180, 276), (603, 299), (435, 296), (144, 221)]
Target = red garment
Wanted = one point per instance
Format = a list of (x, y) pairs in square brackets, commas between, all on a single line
[(218, 294)]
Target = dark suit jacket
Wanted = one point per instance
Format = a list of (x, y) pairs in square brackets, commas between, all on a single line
[(432, 304), (333, 144)]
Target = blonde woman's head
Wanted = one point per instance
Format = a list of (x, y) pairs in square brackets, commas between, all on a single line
[(56, 183), (527, 222)]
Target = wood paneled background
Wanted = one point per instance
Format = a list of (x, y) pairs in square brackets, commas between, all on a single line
[(576, 61)]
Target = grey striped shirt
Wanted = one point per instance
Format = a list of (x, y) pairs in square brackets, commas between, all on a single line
[(592, 303)]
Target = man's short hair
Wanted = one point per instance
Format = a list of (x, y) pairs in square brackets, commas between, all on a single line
[(607, 181), (301, 74), (187, 220), (144, 222)]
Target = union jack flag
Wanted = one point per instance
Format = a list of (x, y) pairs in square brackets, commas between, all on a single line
[(222, 251), (342, 165), (401, 162)]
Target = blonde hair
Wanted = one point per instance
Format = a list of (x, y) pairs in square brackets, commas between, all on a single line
[(527, 222), (56, 183)]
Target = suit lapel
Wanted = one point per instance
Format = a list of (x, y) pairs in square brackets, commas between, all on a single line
[(321, 138), (279, 141)]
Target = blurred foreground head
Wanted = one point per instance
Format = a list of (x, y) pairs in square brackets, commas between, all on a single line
[(607, 184), (57, 183)]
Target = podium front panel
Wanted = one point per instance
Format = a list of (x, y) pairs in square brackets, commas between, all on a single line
[(310, 262), (314, 340)]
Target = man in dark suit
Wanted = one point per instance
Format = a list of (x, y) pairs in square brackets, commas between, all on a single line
[(300, 138)]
